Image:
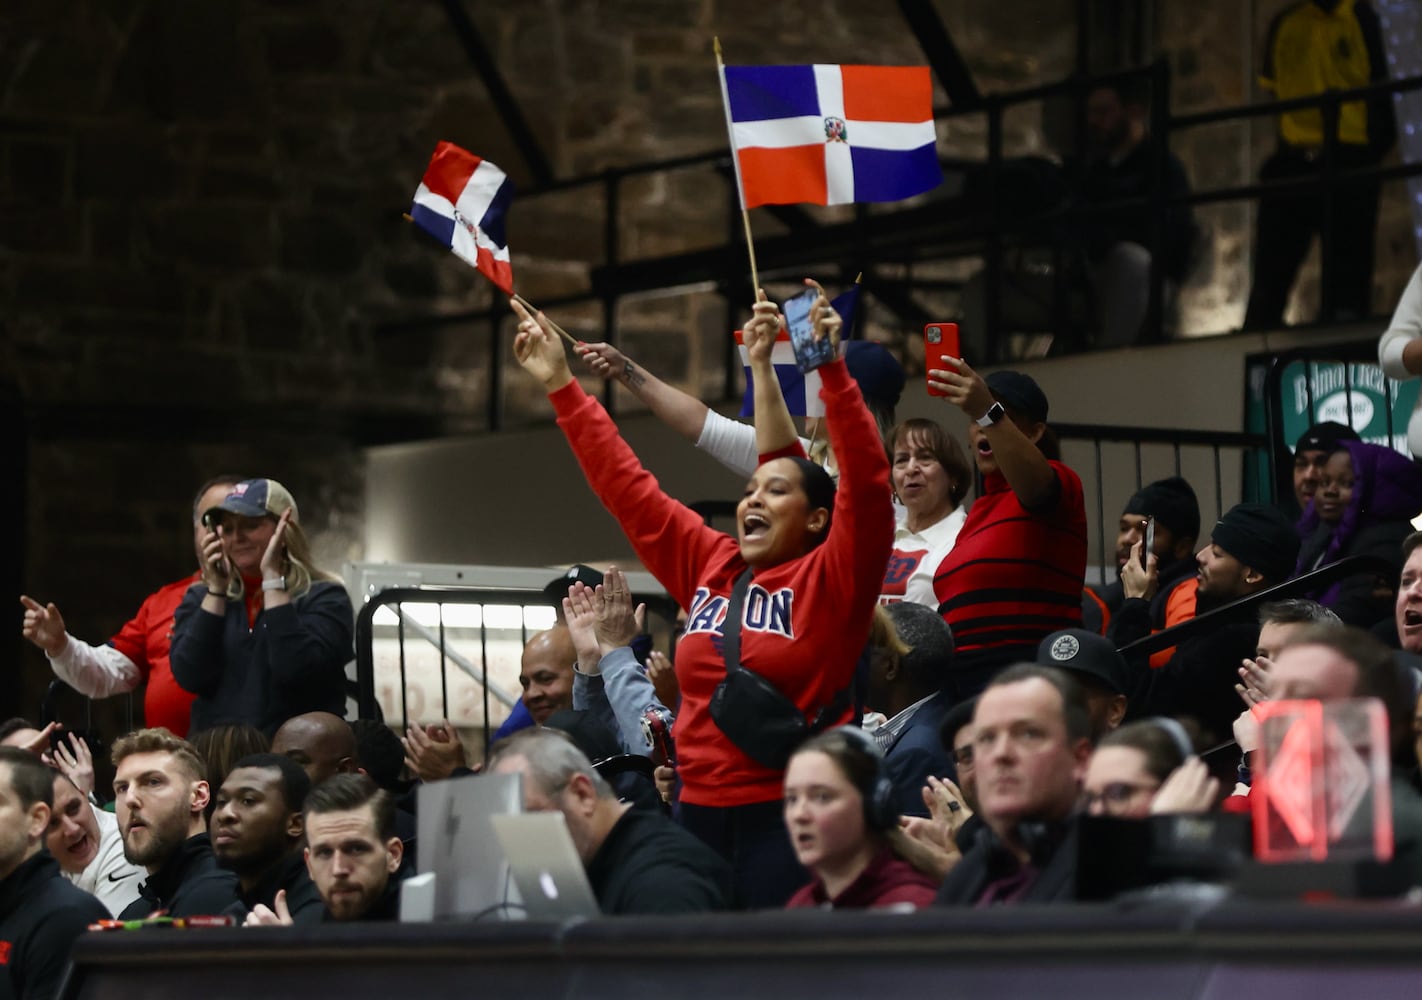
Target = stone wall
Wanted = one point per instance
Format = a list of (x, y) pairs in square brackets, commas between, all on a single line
[(203, 264)]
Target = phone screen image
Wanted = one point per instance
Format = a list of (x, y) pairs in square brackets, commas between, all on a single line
[(809, 352), (939, 339)]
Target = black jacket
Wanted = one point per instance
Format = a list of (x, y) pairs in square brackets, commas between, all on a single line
[(189, 885), (41, 914), (291, 661), (648, 864), (1053, 851), (303, 902)]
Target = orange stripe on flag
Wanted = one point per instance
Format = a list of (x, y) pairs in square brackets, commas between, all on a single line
[(784, 176), (887, 93)]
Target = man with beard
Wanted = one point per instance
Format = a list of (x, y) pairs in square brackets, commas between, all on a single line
[(40, 913), (352, 854), (1252, 548), (257, 832), (87, 844), (160, 794)]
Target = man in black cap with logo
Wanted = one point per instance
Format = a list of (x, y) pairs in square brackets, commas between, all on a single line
[(1171, 506), (1252, 548), (1093, 662), (1311, 455)]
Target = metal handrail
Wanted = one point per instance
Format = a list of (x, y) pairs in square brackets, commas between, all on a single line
[(1246, 607)]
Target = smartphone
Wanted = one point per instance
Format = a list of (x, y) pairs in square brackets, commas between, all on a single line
[(938, 339), (809, 352), (1148, 546), (656, 728)]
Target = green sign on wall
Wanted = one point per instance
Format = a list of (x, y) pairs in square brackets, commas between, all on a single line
[(1356, 394)]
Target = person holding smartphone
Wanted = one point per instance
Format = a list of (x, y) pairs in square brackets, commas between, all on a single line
[(1015, 574), (267, 634), (816, 556)]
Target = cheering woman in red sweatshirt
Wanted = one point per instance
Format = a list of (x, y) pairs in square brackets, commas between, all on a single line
[(817, 557)]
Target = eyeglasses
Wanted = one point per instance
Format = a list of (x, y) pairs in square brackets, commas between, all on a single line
[(1113, 797), (964, 755)]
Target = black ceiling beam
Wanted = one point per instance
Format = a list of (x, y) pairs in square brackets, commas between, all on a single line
[(499, 93), (943, 56)]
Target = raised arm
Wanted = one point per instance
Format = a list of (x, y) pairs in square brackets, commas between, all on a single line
[(680, 411), (1400, 349), (1024, 467), (774, 429), (97, 671)]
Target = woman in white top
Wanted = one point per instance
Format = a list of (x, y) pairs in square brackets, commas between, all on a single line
[(1400, 352), (931, 476)]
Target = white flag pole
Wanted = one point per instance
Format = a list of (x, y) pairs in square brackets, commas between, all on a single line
[(736, 165)]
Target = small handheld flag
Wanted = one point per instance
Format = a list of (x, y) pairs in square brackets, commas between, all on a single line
[(462, 202), (801, 390)]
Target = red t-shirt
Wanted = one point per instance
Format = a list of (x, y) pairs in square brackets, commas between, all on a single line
[(144, 640)]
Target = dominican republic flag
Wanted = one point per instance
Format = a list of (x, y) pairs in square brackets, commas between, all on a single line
[(462, 202), (831, 135), (801, 390)]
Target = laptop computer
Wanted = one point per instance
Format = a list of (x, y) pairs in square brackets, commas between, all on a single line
[(545, 866), (457, 844)]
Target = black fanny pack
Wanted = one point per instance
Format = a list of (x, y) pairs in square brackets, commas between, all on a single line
[(751, 711)]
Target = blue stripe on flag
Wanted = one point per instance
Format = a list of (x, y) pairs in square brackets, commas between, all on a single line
[(498, 210), (760, 93), (847, 304), (892, 175), (792, 387), (441, 227)]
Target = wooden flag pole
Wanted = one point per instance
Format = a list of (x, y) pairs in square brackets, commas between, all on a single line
[(572, 341), (736, 165)]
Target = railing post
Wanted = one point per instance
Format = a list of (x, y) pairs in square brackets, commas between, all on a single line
[(1329, 110)]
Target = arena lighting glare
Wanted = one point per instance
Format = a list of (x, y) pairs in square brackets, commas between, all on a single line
[(1401, 27)]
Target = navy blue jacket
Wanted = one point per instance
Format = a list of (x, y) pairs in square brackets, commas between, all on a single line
[(292, 661), (918, 753)]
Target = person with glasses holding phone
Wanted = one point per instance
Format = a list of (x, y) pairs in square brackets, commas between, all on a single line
[(807, 560)]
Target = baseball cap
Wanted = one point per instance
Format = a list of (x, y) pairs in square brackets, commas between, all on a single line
[(557, 589), (1086, 654), (1326, 435), (1019, 392), (255, 498)]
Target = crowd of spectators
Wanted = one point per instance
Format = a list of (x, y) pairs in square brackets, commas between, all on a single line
[(864, 710)]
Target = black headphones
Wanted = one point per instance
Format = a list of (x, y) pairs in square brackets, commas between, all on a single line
[(881, 813)]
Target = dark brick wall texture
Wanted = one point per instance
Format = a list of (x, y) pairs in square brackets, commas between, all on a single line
[(203, 264)]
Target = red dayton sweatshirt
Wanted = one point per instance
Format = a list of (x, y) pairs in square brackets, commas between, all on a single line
[(806, 620)]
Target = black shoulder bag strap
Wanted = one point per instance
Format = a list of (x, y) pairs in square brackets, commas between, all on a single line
[(731, 628)]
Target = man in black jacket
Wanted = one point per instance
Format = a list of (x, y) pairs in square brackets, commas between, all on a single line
[(1031, 742), (257, 833), (637, 860), (160, 795), (40, 913)]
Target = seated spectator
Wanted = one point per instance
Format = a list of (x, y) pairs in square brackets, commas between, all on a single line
[(1031, 742), (1015, 574), (41, 914), (931, 477), (546, 673), (1171, 505), (1120, 166), (381, 755), (1311, 453), (1407, 613), (905, 686), (1144, 768), (1102, 672), (221, 747), (319, 743), (841, 813), (89, 848), (26, 735), (352, 854), (637, 860), (160, 799), (1335, 662), (268, 634), (257, 833), (1364, 506), (138, 655), (1252, 548), (956, 734)]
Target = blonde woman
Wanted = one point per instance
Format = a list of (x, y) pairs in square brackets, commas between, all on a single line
[(267, 634)]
